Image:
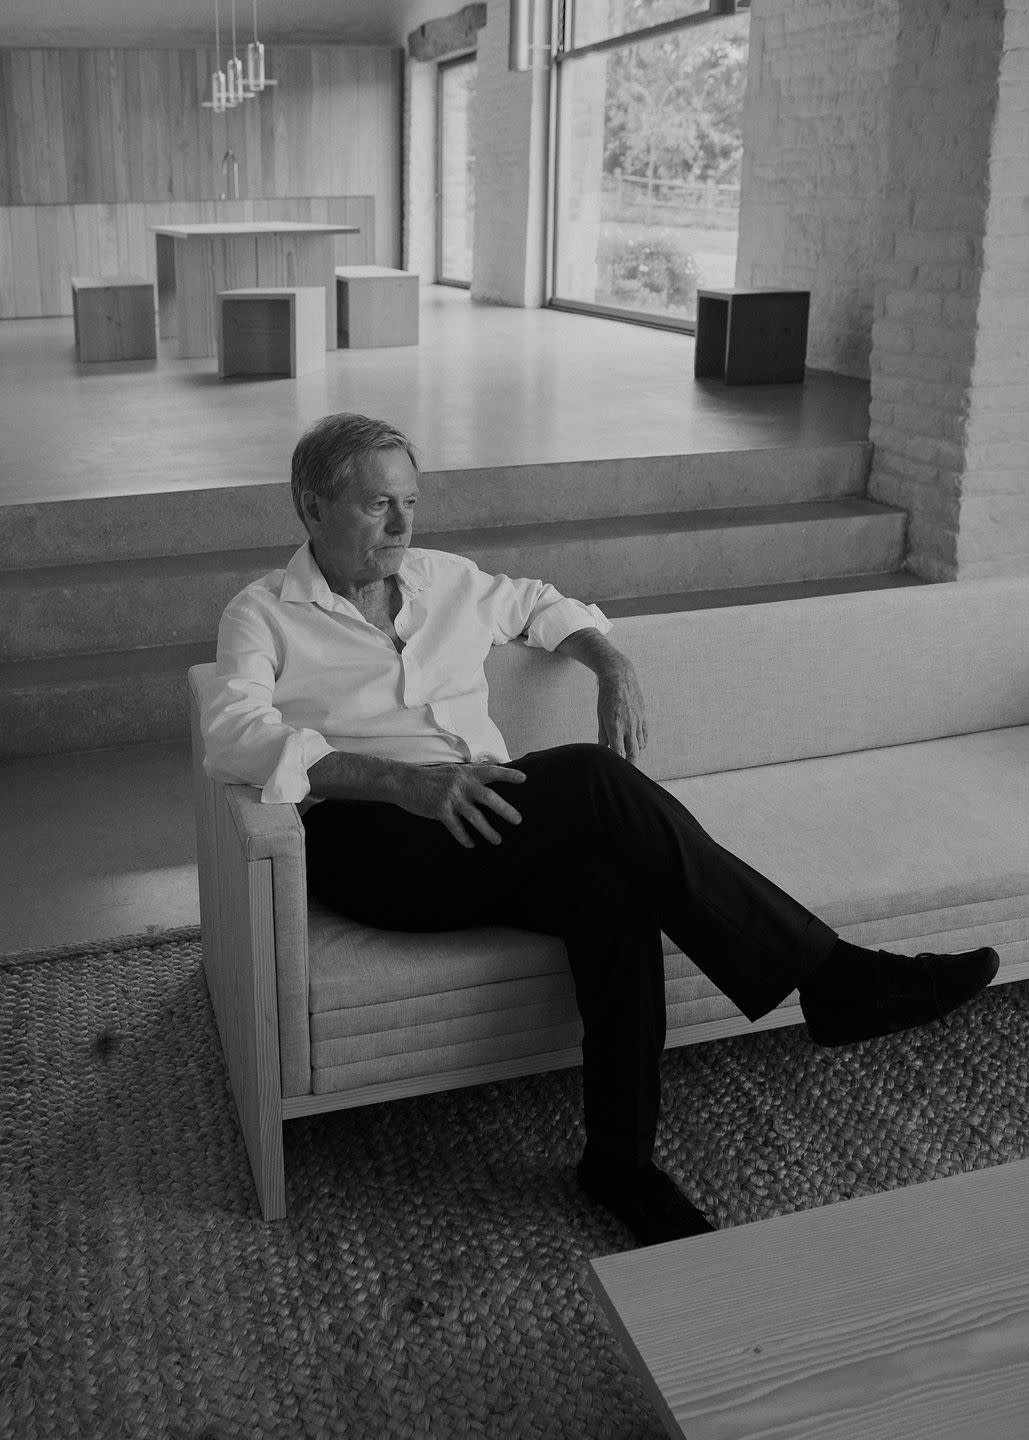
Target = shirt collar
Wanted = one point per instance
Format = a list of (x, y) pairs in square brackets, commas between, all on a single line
[(304, 581)]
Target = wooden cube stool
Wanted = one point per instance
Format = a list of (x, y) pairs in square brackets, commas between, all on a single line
[(375, 306), (751, 337), (114, 318), (274, 330)]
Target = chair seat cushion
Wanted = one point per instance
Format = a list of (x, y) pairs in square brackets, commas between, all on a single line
[(920, 846)]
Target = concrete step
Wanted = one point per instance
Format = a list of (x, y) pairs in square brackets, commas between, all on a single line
[(124, 604), (85, 702), (644, 555), (755, 594), (649, 485), (172, 600), (256, 517)]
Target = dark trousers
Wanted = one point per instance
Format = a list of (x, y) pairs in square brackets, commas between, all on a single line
[(606, 859)]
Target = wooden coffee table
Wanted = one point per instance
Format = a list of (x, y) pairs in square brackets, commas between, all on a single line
[(884, 1318)]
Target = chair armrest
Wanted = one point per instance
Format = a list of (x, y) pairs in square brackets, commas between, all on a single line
[(266, 832), (237, 837)]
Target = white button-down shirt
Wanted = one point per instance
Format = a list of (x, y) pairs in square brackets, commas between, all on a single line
[(301, 673)]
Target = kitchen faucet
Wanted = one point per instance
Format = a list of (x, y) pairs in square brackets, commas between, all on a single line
[(226, 158)]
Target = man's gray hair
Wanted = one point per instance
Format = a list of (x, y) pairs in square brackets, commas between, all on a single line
[(329, 452)]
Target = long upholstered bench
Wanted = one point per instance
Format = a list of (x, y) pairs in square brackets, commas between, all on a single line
[(869, 752)]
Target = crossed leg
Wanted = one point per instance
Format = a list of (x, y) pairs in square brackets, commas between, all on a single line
[(606, 859)]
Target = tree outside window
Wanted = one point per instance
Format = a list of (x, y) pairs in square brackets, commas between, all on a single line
[(652, 211)]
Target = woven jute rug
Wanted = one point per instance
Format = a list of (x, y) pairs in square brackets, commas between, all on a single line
[(431, 1277)]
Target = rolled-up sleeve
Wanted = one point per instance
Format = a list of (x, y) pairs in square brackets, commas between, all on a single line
[(555, 617), (536, 610), (245, 737)]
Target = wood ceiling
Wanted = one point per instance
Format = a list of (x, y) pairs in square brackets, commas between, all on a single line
[(191, 22)]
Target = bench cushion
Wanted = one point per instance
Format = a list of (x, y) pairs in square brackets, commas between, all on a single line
[(909, 847), (880, 834)]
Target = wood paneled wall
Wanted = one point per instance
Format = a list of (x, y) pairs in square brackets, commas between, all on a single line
[(94, 126), (86, 130), (43, 246)]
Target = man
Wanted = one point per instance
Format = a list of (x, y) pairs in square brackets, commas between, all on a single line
[(352, 684)]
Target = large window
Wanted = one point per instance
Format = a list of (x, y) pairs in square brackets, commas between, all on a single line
[(649, 109), (588, 21), (455, 188)]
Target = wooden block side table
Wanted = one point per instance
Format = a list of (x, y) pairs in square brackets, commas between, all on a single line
[(752, 337), (376, 306), (271, 330), (113, 317), (902, 1315)]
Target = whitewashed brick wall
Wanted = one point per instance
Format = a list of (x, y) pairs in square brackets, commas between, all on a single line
[(509, 118), (950, 294), (993, 533), (815, 154), (419, 186), (454, 241), (509, 123)]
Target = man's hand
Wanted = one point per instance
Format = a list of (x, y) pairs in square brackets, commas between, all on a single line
[(457, 795), (453, 794), (622, 724)]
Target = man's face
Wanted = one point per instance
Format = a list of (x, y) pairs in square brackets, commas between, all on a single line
[(361, 537)]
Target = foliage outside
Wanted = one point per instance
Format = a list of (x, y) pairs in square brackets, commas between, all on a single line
[(648, 274), (672, 153), (674, 105)]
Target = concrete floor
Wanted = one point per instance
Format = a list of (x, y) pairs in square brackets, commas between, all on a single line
[(486, 385), (100, 844)]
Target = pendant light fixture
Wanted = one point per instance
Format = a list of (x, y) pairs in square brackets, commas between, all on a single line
[(219, 101), (257, 79), (230, 87), (234, 71)]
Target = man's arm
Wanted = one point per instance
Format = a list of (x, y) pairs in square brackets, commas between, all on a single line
[(621, 721), (342, 776), (245, 736)]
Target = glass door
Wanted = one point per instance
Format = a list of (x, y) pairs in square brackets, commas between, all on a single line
[(648, 147), (455, 183)]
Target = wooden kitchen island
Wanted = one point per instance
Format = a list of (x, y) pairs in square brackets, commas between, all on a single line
[(195, 262)]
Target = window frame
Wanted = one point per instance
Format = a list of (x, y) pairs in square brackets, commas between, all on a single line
[(562, 19), (715, 10)]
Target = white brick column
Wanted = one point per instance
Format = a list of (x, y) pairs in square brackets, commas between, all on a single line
[(509, 117), (509, 122), (948, 365), (420, 170), (581, 141), (993, 530)]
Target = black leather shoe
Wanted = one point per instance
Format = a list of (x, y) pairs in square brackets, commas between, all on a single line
[(647, 1200), (893, 993)]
